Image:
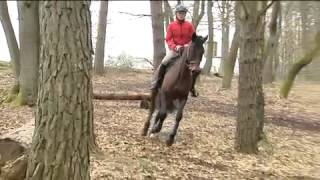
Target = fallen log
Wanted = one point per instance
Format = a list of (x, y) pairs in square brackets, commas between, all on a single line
[(144, 97), (114, 96)]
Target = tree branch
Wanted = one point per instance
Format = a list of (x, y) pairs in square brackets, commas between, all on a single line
[(138, 15), (266, 8), (245, 8)]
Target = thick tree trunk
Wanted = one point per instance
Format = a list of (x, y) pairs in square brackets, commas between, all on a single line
[(12, 45), (208, 64), (29, 38), (250, 95), (159, 50), (272, 45), (297, 66), (101, 38), (196, 16), (60, 145)]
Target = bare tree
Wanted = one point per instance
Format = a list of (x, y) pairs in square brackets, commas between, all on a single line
[(159, 50), (250, 94), (13, 47), (29, 38), (297, 66), (233, 52), (225, 29), (208, 64), (272, 45), (101, 38), (168, 14), (60, 145), (196, 15)]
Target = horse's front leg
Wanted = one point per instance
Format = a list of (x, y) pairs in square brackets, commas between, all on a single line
[(179, 115), (151, 110), (162, 114)]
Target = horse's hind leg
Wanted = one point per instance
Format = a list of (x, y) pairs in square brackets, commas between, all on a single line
[(151, 110), (179, 115)]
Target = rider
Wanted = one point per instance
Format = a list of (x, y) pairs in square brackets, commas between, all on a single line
[(179, 35)]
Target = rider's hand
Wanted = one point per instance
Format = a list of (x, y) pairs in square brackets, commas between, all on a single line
[(179, 49)]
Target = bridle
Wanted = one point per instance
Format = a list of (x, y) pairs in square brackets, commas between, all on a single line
[(189, 63)]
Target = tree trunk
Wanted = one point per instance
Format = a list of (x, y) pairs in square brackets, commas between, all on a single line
[(159, 50), (12, 46), (208, 64), (272, 45), (233, 52), (196, 16), (101, 38), (297, 66), (250, 95), (168, 14), (60, 145), (225, 35), (29, 51)]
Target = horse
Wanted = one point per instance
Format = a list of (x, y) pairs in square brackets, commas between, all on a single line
[(173, 93)]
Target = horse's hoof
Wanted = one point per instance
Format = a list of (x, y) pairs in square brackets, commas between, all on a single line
[(143, 133), (152, 135), (155, 130), (169, 142), (194, 93)]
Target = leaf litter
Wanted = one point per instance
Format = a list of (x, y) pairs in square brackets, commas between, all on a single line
[(204, 143)]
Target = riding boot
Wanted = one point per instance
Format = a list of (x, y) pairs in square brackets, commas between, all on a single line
[(193, 91), (158, 82)]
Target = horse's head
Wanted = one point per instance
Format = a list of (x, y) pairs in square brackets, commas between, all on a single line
[(195, 52)]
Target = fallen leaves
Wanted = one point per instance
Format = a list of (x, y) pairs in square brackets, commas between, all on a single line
[(204, 144)]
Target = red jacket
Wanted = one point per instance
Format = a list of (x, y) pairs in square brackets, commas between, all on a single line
[(179, 33)]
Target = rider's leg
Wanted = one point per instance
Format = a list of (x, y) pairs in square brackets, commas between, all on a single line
[(162, 70)]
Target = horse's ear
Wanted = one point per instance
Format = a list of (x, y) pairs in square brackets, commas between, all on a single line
[(205, 38), (194, 37)]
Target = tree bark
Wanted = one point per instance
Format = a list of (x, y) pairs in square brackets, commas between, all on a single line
[(12, 45), (29, 38), (159, 50), (250, 95), (272, 45), (168, 14), (208, 64), (297, 66), (225, 25), (101, 38), (60, 145), (233, 52)]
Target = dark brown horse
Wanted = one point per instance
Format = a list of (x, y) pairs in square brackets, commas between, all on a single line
[(177, 83)]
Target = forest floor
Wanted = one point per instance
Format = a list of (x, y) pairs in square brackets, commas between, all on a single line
[(204, 147)]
